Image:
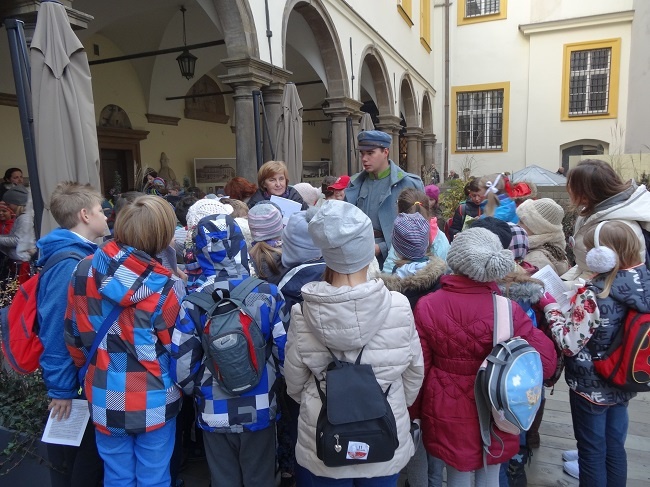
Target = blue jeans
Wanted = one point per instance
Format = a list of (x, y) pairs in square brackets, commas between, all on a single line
[(600, 432), (138, 460), (304, 478)]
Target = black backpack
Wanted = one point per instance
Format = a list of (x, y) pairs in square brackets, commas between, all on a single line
[(356, 423)]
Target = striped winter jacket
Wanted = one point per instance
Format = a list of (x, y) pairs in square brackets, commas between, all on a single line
[(218, 410), (128, 383)]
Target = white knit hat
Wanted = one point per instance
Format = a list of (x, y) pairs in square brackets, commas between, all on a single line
[(541, 216), (478, 254), (206, 207), (308, 193)]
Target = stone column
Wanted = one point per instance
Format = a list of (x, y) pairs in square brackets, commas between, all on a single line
[(338, 110), (412, 152), (273, 105), (429, 142), (392, 126), (244, 76)]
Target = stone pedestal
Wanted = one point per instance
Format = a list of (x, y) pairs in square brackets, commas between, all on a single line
[(273, 105), (429, 143), (392, 126), (413, 136), (244, 76), (338, 110)]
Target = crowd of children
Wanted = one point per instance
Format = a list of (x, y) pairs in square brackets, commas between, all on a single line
[(132, 320)]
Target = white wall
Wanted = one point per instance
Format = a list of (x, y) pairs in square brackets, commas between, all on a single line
[(497, 51), (547, 132)]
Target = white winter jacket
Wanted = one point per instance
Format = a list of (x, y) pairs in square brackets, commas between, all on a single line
[(344, 320)]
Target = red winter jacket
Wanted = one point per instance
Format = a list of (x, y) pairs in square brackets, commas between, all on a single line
[(455, 326)]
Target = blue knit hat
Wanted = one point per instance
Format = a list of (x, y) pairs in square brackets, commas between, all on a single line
[(411, 236)]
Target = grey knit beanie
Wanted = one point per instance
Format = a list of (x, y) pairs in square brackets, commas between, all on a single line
[(344, 234), (478, 254), (297, 245)]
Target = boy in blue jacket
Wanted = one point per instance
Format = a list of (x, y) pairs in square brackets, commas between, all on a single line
[(238, 430), (77, 208)]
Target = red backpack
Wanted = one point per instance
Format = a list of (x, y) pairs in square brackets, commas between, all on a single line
[(626, 363), (19, 325)]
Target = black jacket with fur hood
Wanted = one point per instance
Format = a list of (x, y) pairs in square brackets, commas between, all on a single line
[(423, 282)]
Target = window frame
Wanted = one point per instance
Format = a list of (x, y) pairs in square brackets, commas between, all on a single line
[(505, 115), (613, 84), (464, 20), (405, 9), (425, 24)]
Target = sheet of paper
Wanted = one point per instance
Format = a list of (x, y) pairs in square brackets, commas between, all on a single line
[(68, 431), (287, 207), (554, 285)]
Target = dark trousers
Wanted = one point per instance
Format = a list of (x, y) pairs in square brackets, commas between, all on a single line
[(241, 459), (77, 466)]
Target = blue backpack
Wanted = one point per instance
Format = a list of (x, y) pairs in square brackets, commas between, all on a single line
[(508, 387)]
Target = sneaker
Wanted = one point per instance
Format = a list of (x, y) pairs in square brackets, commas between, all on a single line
[(572, 469), (570, 455)]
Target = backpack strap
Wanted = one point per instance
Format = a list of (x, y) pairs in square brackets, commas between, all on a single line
[(244, 288), (503, 326), (99, 336), (59, 257), (200, 299)]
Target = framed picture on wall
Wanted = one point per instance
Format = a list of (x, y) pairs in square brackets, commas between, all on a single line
[(213, 172)]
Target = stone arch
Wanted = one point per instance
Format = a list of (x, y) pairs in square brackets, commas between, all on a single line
[(373, 59), (427, 115), (238, 27), (322, 27), (581, 147), (206, 108), (407, 101)]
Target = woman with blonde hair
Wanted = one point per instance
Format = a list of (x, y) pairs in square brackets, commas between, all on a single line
[(132, 398), (273, 180)]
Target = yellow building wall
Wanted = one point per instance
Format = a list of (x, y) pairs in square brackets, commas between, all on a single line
[(118, 84), (11, 141)]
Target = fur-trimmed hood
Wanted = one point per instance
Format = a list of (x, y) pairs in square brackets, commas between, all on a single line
[(422, 281), (521, 288)]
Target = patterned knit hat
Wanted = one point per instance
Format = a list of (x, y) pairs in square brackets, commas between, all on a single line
[(265, 222), (206, 207), (541, 216), (411, 236), (519, 242), (220, 247), (478, 254)]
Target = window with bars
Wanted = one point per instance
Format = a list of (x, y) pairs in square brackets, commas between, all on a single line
[(589, 81), (478, 8), (479, 120)]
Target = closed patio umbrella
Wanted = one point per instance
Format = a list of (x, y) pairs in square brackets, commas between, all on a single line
[(64, 112), (289, 141), (365, 124)]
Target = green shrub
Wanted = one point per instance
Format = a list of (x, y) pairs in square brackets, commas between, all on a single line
[(451, 195)]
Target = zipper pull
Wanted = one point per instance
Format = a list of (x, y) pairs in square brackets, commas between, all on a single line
[(337, 447)]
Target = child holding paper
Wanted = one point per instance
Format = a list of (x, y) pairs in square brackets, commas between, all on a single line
[(599, 411)]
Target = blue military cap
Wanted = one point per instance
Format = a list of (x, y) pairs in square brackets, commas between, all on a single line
[(371, 139)]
